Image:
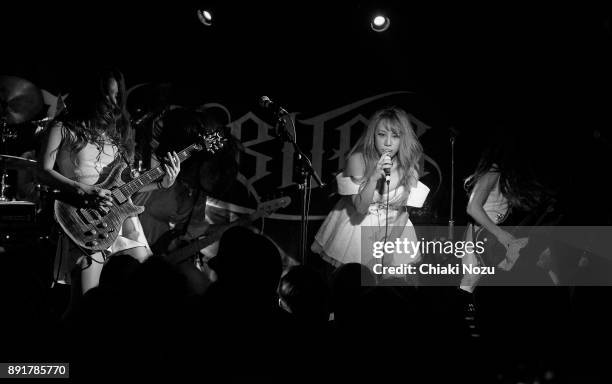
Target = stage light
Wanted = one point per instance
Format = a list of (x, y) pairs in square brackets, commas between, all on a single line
[(380, 23), (205, 17)]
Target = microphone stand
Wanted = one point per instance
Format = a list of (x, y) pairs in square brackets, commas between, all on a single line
[(451, 221), (306, 173)]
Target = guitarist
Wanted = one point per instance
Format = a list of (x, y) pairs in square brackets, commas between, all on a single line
[(79, 149), (503, 181), (173, 212), (504, 184)]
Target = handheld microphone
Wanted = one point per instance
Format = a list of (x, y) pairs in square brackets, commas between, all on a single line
[(387, 174), (265, 102), (387, 169)]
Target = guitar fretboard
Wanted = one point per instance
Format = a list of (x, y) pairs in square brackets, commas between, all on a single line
[(128, 189)]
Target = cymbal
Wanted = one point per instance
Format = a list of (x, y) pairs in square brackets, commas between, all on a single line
[(15, 162), (20, 100)]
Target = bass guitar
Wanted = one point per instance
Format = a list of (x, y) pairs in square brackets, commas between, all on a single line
[(194, 246)]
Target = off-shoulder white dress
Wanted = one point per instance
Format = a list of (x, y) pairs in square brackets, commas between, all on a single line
[(339, 239)]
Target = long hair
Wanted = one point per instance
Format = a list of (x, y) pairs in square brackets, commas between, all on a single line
[(509, 157), (90, 113), (410, 150)]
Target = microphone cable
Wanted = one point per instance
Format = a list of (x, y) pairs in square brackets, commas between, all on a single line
[(387, 211), (388, 182)]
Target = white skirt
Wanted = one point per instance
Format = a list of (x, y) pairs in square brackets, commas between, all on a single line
[(69, 255), (339, 239)]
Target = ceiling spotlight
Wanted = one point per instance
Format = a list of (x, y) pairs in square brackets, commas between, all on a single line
[(380, 23), (205, 17)]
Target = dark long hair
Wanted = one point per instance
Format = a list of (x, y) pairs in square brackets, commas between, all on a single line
[(508, 154), (90, 113)]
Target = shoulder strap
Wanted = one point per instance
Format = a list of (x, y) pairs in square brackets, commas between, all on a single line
[(133, 172)]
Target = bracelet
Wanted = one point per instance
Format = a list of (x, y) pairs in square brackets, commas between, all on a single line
[(159, 185)]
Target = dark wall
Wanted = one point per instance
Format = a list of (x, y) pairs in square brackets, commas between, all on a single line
[(544, 66)]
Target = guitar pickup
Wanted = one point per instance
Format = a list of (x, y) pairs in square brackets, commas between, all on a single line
[(102, 211), (95, 215), (85, 216), (119, 197)]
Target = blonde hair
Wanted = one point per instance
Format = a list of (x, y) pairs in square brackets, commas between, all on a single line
[(410, 150)]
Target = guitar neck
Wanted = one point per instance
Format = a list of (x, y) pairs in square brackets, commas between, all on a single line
[(128, 189), (196, 245)]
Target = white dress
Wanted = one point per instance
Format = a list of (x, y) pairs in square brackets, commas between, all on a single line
[(339, 239), (91, 165), (496, 208)]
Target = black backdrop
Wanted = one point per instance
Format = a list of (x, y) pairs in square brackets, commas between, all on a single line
[(544, 67)]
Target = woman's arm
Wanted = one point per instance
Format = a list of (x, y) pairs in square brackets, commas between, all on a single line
[(475, 209), (355, 169), (51, 144), (50, 147)]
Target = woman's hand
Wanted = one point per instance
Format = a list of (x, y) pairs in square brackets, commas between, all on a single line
[(94, 196), (379, 171), (171, 171)]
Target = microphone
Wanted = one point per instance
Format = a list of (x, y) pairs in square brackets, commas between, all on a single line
[(265, 102), (387, 174), (387, 169)]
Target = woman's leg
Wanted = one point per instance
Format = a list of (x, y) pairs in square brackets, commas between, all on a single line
[(91, 271), (84, 276), (131, 233)]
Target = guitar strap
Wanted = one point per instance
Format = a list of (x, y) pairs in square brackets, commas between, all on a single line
[(183, 230), (133, 173)]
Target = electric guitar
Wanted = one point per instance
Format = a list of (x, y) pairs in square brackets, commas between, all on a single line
[(97, 228), (495, 252), (194, 246)]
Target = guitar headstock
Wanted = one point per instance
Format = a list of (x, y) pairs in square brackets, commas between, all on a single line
[(211, 142), (269, 207)]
